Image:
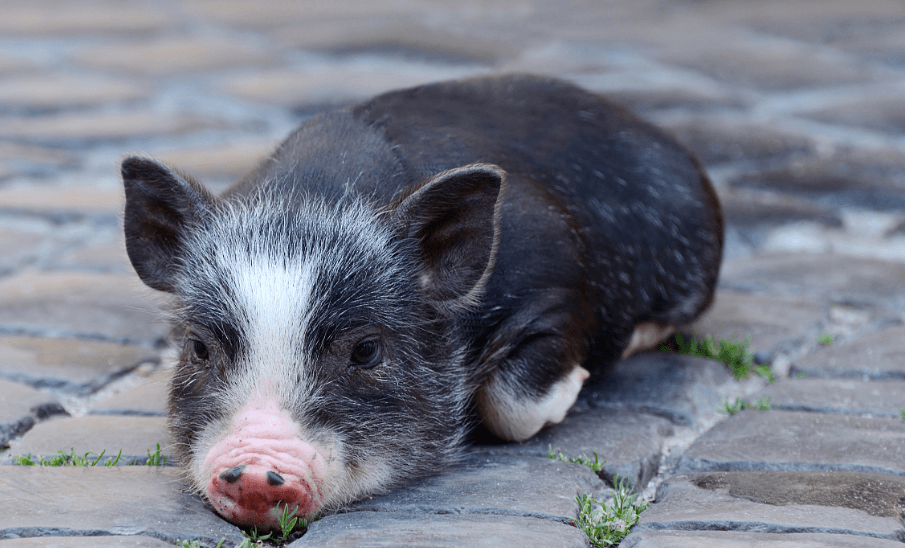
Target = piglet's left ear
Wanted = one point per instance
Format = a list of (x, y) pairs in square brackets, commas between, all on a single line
[(455, 218)]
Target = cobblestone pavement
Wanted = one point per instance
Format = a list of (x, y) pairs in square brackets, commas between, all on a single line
[(797, 109)]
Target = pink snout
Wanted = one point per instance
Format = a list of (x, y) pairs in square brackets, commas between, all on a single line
[(262, 464)]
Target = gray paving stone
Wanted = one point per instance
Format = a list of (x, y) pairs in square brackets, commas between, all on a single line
[(877, 113), (148, 396), (751, 210), (129, 500), (136, 541), (505, 485), (877, 356), (798, 441), (37, 92), (379, 529), (853, 397), (674, 386), (778, 68), (870, 180), (173, 55), (629, 441), (775, 503), (647, 101), (70, 365), (75, 128), (774, 322), (136, 436), (21, 407), (719, 142), (731, 539), (839, 278), (112, 307)]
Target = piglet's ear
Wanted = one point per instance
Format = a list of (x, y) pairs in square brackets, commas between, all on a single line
[(455, 218), (161, 206)]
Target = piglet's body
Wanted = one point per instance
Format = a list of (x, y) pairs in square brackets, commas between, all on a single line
[(397, 269)]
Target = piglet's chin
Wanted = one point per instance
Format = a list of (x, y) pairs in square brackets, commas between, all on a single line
[(262, 466)]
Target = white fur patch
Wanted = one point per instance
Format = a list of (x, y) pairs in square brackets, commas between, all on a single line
[(515, 418)]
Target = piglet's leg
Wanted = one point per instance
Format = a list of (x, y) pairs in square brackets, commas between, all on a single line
[(516, 416)]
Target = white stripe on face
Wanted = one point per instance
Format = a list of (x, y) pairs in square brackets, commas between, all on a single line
[(273, 307)]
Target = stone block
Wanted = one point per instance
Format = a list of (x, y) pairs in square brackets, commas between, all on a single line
[(103, 306), (75, 366), (718, 142), (515, 485), (76, 127), (732, 539), (886, 114), (747, 209), (877, 356), (677, 387), (231, 161), (341, 82), (38, 501), (815, 503), (51, 17), (147, 396), (774, 322), (629, 441), (379, 529), (771, 67), (54, 91), (136, 436), (851, 397), (796, 441), (21, 407), (870, 180), (173, 55), (131, 541), (397, 35), (826, 276)]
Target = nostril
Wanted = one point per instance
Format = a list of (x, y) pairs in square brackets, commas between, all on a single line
[(233, 474), (275, 479)]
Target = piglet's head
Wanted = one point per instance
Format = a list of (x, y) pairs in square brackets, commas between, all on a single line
[(319, 360)]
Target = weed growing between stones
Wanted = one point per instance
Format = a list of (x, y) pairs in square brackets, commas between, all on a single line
[(156, 459), (596, 466), (88, 459), (62, 459), (734, 354), (291, 529), (608, 524), (903, 413), (760, 404), (825, 339)]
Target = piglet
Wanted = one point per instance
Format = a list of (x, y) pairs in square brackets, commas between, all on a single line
[(401, 270)]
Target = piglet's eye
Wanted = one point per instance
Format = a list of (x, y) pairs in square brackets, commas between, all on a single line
[(366, 353), (200, 350)]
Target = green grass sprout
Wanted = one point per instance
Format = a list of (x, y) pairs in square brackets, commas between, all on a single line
[(825, 339), (583, 459), (156, 459), (63, 459), (735, 355), (734, 408), (608, 524)]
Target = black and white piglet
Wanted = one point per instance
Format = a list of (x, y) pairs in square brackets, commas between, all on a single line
[(401, 269)]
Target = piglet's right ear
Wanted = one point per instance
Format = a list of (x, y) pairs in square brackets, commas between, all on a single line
[(162, 205)]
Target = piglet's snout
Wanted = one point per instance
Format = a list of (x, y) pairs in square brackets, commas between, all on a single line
[(261, 466)]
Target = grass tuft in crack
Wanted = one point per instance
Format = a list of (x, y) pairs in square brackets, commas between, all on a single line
[(736, 355), (596, 466), (760, 404), (608, 524), (63, 459), (825, 339)]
